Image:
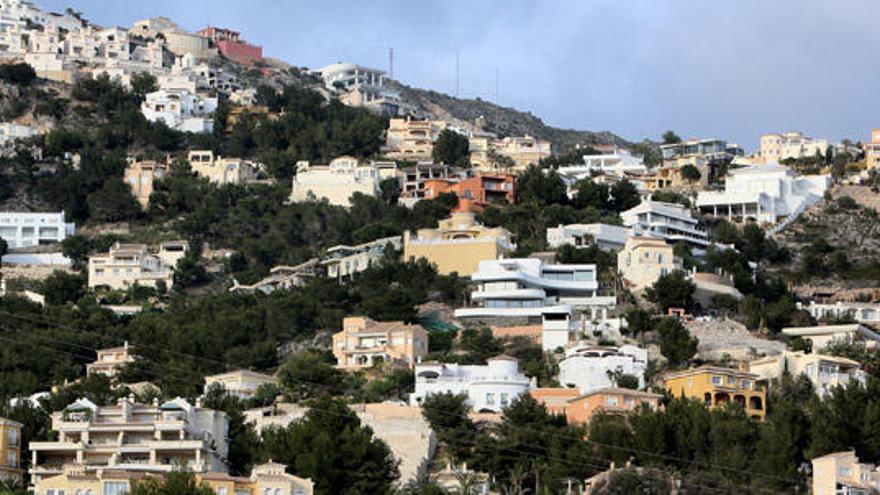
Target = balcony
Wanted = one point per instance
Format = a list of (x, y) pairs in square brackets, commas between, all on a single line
[(56, 446)]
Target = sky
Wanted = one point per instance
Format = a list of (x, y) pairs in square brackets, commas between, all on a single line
[(725, 69)]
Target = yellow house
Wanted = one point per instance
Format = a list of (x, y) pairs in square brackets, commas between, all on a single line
[(458, 244), (110, 361), (716, 386), (643, 260), (10, 451), (265, 479), (364, 342)]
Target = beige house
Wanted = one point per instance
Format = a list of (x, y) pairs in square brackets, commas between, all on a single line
[(265, 479), (141, 175), (339, 180), (128, 264), (823, 335), (148, 438), (410, 139), (221, 170), (524, 151), (825, 372), (110, 361), (240, 383), (643, 260), (10, 452), (841, 473), (872, 149), (458, 244), (363, 343)]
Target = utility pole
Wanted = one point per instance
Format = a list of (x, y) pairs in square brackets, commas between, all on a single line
[(457, 73), (391, 63), (496, 86)]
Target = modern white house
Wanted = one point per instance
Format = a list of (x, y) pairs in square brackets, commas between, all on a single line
[(619, 164), (181, 110), (669, 221), (342, 262), (765, 193), (361, 86), (529, 288), (240, 383), (589, 368), (825, 372), (606, 237), (10, 131), (21, 230), (489, 388), (862, 312), (339, 179), (822, 335)]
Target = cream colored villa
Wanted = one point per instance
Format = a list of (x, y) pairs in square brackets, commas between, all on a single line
[(110, 361), (643, 260), (524, 151), (363, 343), (458, 244), (128, 264), (339, 180), (410, 139), (147, 438), (824, 372), (240, 383), (221, 170), (141, 176)]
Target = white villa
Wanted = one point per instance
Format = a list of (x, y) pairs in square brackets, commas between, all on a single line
[(21, 230), (489, 388), (766, 193), (342, 261), (529, 288), (825, 372), (587, 367), (338, 180), (617, 164), (669, 221), (180, 110), (607, 237), (821, 336), (862, 312)]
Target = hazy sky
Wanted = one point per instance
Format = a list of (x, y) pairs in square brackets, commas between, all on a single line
[(733, 69)]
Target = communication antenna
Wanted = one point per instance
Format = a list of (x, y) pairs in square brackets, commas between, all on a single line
[(391, 63), (457, 72), (496, 86)]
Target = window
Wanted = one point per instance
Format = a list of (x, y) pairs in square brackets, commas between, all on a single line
[(221, 490), (490, 399), (12, 459), (505, 399), (747, 384), (611, 400), (113, 488), (717, 380)]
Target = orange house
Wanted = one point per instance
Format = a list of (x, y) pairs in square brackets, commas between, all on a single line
[(555, 399), (609, 401), (475, 193)]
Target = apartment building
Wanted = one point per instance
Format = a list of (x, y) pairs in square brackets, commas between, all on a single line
[(411, 139), (619, 164), (128, 264), (270, 478), (522, 152), (10, 452), (342, 261), (219, 170), (110, 361), (612, 400), (231, 45), (669, 221), (413, 179), (21, 230), (862, 312), (242, 384), (713, 150), (339, 180), (141, 177), (489, 388), (180, 110), (132, 437), (458, 244), (360, 87), (776, 147), (587, 367), (765, 193), (610, 238), (872, 149), (363, 343), (475, 193), (841, 473), (643, 260), (822, 335), (529, 288), (825, 372), (715, 387)]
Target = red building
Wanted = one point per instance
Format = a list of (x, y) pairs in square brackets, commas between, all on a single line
[(475, 193), (231, 45)]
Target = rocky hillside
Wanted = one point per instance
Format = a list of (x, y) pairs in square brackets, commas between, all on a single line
[(503, 121)]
